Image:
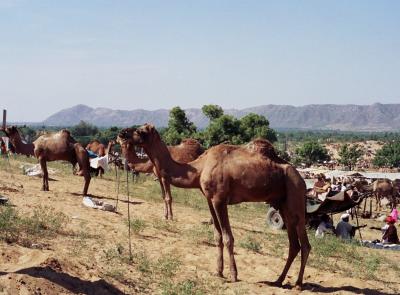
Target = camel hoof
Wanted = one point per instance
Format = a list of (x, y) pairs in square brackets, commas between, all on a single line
[(298, 287), (277, 283), (234, 280), (219, 274)]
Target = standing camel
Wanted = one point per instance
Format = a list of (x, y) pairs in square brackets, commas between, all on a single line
[(16, 140), (188, 150), (383, 188), (228, 174), (61, 146)]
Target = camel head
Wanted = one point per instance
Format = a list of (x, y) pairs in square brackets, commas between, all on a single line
[(11, 131), (145, 135), (125, 136)]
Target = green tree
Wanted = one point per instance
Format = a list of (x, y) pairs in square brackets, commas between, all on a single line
[(256, 126), (179, 127), (212, 111), (223, 129), (311, 152), (349, 155), (388, 155), (84, 129), (27, 133)]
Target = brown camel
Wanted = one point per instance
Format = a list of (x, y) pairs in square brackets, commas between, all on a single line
[(383, 188), (61, 146), (101, 151), (97, 147), (19, 146), (228, 174), (188, 150)]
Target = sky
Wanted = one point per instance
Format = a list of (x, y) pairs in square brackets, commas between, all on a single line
[(159, 54)]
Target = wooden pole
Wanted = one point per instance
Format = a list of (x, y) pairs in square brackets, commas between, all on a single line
[(129, 216), (117, 182)]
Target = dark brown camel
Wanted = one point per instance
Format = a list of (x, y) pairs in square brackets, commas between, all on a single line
[(19, 146), (187, 151), (228, 174), (61, 146)]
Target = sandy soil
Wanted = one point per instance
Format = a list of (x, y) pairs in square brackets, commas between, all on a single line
[(81, 260)]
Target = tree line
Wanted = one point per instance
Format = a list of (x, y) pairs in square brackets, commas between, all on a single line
[(224, 128)]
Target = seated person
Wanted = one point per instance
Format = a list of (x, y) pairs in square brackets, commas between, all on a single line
[(324, 226), (344, 229), (390, 234)]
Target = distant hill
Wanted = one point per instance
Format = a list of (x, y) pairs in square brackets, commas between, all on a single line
[(376, 117)]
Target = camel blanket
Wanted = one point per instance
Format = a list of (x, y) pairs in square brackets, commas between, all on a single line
[(99, 162)]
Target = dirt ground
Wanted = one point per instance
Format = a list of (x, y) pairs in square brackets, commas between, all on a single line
[(89, 255)]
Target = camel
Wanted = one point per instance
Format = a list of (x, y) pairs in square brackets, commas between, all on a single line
[(61, 146), (187, 151), (228, 174), (98, 148), (19, 146), (383, 188)]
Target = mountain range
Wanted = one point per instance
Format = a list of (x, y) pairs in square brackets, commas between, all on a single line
[(375, 117)]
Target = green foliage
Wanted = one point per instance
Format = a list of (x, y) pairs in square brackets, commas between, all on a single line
[(179, 127), (104, 136), (27, 133), (137, 225), (212, 111), (349, 155), (84, 129), (43, 223), (311, 152), (224, 129), (250, 243), (256, 126), (388, 155)]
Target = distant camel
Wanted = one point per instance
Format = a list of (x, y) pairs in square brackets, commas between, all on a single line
[(15, 138), (100, 150), (187, 151), (228, 174), (97, 147), (61, 146), (383, 188)]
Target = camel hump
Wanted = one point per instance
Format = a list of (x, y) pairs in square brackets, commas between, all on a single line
[(265, 148), (193, 145)]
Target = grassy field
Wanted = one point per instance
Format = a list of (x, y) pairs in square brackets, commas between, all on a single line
[(50, 241)]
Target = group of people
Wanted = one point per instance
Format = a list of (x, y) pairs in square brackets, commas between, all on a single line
[(346, 231)]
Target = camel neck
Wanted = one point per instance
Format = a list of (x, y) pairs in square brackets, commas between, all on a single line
[(180, 175), (136, 163), (20, 147)]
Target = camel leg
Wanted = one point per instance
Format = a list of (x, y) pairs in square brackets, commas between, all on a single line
[(305, 251), (218, 240), (43, 165), (221, 210), (294, 247), (168, 198), (163, 196), (83, 161)]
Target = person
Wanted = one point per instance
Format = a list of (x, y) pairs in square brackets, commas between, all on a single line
[(390, 235), (395, 214), (3, 149), (324, 226), (344, 229)]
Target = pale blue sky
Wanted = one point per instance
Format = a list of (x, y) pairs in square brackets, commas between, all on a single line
[(158, 54)]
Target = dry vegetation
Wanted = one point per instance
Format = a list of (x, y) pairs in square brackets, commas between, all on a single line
[(51, 244)]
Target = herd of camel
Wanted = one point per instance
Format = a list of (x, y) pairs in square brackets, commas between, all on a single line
[(225, 174)]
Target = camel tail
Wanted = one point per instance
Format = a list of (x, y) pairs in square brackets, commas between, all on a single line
[(295, 186)]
